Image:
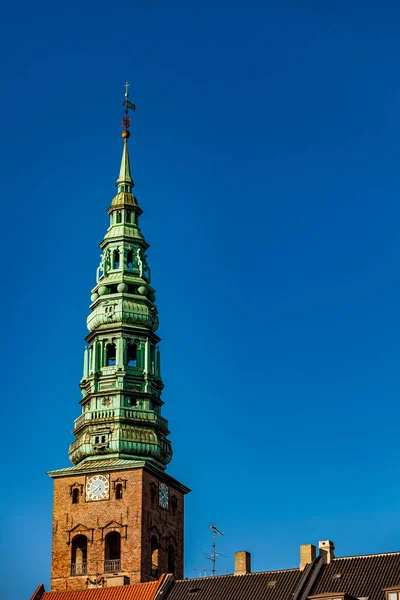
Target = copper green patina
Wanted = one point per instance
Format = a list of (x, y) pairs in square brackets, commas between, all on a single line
[(121, 384)]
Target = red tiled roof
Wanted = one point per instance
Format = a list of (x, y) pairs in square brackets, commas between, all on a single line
[(140, 591)]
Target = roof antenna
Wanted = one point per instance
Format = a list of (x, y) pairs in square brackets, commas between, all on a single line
[(214, 554)]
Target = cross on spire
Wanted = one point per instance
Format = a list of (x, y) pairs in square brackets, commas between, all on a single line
[(126, 86)]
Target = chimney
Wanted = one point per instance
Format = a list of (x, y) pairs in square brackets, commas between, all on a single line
[(327, 551), (117, 581), (242, 563), (308, 552)]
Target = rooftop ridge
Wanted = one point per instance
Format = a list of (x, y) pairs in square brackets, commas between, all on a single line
[(243, 575), (365, 555)]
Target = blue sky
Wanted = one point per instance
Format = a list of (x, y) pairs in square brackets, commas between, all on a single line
[(265, 150)]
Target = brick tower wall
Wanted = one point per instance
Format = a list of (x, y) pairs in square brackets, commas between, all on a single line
[(136, 516)]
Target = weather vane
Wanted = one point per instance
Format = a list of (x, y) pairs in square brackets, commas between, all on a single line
[(127, 121)]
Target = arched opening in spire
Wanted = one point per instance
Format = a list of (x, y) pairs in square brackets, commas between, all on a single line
[(111, 355), (118, 217), (116, 259), (131, 355), (112, 552), (154, 555), (79, 555), (129, 259), (75, 496), (152, 360)]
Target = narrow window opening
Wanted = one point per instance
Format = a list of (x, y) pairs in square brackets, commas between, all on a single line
[(171, 559), (118, 217), (174, 505), (96, 439), (112, 556), (79, 555), (153, 493), (116, 259), (130, 216), (103, 439), (152, 354), (132, 355), (75, 496), (154, 556), (130, 259), (118, 491), (111, 355)]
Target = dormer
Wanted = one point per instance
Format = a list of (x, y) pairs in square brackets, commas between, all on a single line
[(392, 593)]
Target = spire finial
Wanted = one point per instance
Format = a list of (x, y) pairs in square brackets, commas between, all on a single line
[(127, 121), (125, 182)]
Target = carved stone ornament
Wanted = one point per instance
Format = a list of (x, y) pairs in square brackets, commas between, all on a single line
[(114, 526), (96, 582), (115, 482), (78, 530), (75, 486)]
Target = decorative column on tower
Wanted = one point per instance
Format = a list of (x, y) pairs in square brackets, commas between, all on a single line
[(116, 512)]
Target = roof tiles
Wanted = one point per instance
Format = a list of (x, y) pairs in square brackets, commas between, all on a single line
[(140, 591), (360, 576), (272, 585)]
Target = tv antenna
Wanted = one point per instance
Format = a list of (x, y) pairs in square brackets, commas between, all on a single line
[(214, 554)]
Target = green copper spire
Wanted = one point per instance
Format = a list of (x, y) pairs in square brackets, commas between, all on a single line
[(121, 385), (124, 181)]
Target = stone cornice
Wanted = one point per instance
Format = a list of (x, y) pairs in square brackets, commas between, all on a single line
[(98, 466)]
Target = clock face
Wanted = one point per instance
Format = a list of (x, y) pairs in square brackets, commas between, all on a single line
[(163, 495), (97, 487)]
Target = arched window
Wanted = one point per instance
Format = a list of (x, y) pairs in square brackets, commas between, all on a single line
[(171, 559), (118, 491), (131, 355), (79, 555), (118, 217), (154, 556), (75, 496), (129, 259), (116, 259), (112, 556), (111, 355)]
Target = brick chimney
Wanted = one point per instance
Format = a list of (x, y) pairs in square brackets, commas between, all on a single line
[(242, 563), (308, 553), (327, 551), (117, 581)]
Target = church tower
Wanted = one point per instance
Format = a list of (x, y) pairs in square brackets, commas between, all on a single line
[(117, 515)]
